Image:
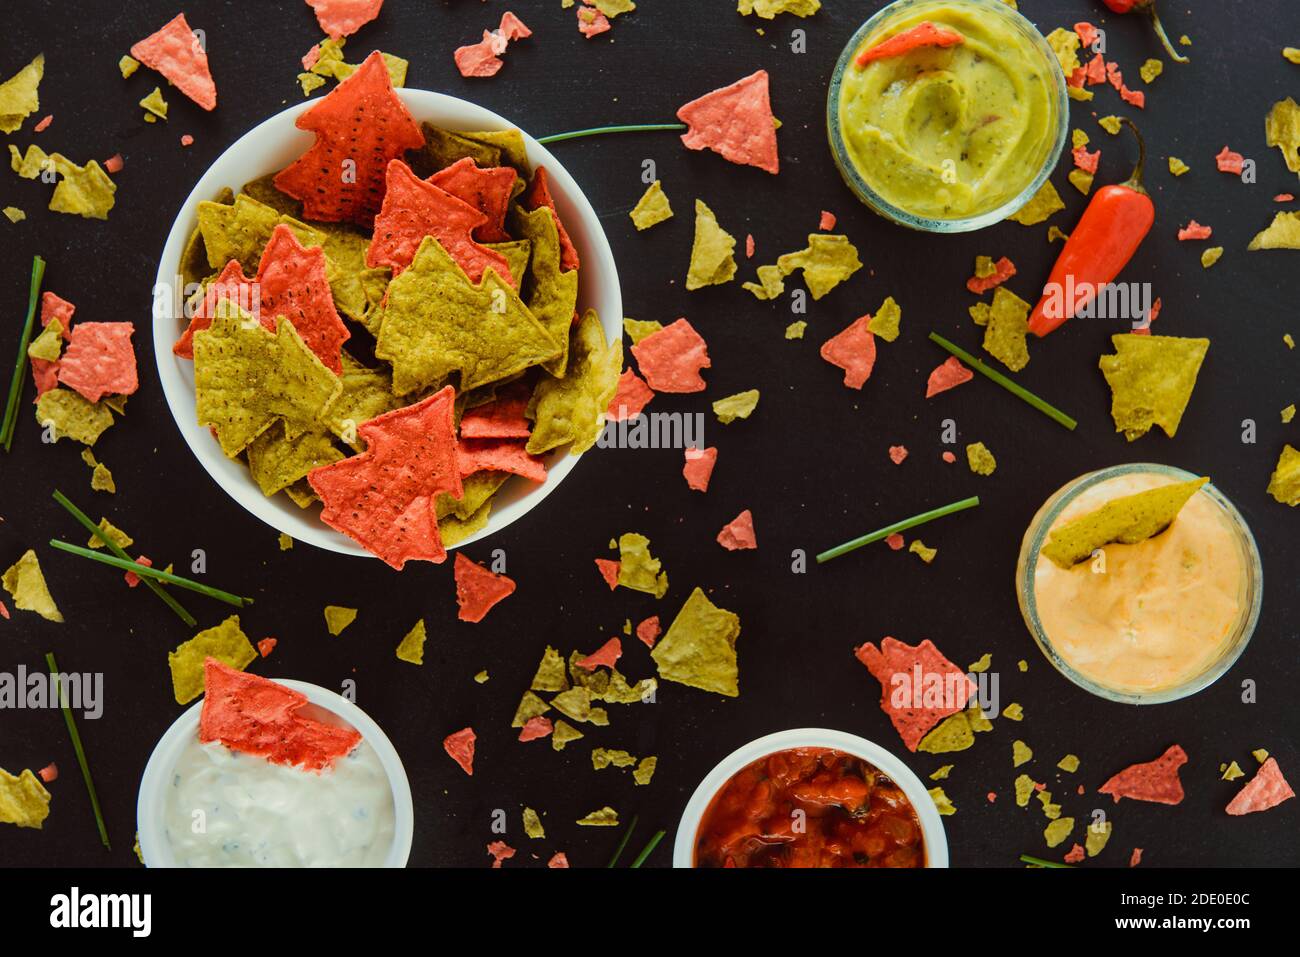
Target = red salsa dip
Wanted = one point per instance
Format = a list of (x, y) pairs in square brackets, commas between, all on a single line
[(854, 815)]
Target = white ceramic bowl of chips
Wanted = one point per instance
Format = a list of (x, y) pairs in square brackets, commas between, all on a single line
[(150, 809), (936, 842), (269, 147)]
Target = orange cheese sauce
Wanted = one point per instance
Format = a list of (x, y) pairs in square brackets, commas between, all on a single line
[(1151, 616)]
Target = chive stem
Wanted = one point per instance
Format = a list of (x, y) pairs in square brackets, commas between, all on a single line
[(1049, 410), (25, 340), (113, 547), (1039, 862), (144, 571), (618, 851), (71, 722), (599, 130), (905, 524), (649, 848)]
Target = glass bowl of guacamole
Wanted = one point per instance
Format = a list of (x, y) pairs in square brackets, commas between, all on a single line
[(954, 134)]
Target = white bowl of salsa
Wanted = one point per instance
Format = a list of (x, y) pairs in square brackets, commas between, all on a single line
[(835, 800)]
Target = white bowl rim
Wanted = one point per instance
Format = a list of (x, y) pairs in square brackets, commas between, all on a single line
[(254, 153), (149, 814), (936, 842)]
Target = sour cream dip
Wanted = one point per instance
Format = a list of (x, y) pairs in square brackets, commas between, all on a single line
[(1151, 621)]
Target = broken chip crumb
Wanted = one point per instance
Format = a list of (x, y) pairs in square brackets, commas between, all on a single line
[(926, 553), (980, 459)]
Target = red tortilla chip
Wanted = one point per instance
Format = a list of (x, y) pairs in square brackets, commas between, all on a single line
[(56, 307), (924, 34), (1086, 32), (231, 284), (362, 123), (699, 467), (735, 121), (100, 360), (500, 455), (266, 646), (1156, 781), (49, 773), (738, 533), (895, 541), (1194, 230), (649, 630), (478, 589), (176, 53), (1133, 97), (1095, 71), (500, 851), (45, 374), (535, 729), (897, 454), (853, 350), (947, 375), (459, 746), (1229, 162), (671, 359), (591, 22), (293, 284), (606, 656), (503, 418), (384, 497), (1268, 788), (255, 715), (918, 675), (539, 194), (630, 398), (481, 59), (1113, 75), (414, 208), (1086, 161), (558, 860), (609, 569), (827, 221), (512, 28), (341, 18), (1003, 270), (486, 189)]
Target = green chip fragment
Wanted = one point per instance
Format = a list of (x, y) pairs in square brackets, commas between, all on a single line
[(645, 771), (530, 706), (67, 415), (550, 674), (980, 459), (942, 803), (953, 733), (1024, 789), (1014, 712), (533, 824), (226, 642), (1097, 835), (25, 583), (982, 665), (603, 817), (602, 758), (638, 569), (712, 259), (652, 208), (1151, 69), (699, 648), (1069, 763), (738, 406), (1211, 256), (1111, 124), (337, 618), (1042, 205), (571, 410), (796, 329), (637, 329), (562, 734), (114, 534), (926, 553), (411, 647), (1058, 830), (1284, 483), (1007, 329), (885, 322), (1021, 753), (1177, 167), (155, 104), (941, 774), (1231, 772)]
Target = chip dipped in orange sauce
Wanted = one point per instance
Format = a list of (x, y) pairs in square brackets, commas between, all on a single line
[(810, 807)]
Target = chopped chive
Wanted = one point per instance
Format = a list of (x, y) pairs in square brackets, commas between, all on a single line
[(906, 523), (1039, 862), (1049, 410), (112, 546), (598, 130), (144, 571), (646, 851), (25, 340), (71, 722), (618, 851)]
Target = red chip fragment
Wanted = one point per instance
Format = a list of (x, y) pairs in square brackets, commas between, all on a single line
[(132, 579), (897, 453), (502, 418), (383, 498), (947, 375), (558, 860), (592, 22), (1229, 162), (827, 221), (1156, 781), (1087, 33), (919, 687), (1194, 230), (257, 716), (360, 126), (1133, 97), (924, 34), (749, 245), (1003, 270), (1095, 71), (266, 646), (500, 851), (4, 611), (538, 194), (699, 467), (478, 588), (671, 359), (483, 59), (853, 350), (45, 374), (100, 360), (49, 773), (631, 396), (177, 53), (735, 121), (609, 569), (1075, 855), (649, 630), (459, 746), (1284, 197), (43, 123), (606, 656), (536, 728), (486, 188), (341, 18), (738, 533), (114, 163), (949, 457), (1268, 788), (895, 541), (187, 140), (1086, 161), (1135, 858)]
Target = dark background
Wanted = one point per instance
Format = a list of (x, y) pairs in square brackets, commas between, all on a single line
[(812, 463)]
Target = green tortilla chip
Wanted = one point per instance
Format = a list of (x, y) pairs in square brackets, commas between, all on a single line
[(1126, 520), (477, 489), (101, 479), (365, 394), (533, 824), (982, 665), (509, 145), (1282, 129), (436, 322), (1021, 753), (1282, 233), (25, 583), (1211, 256), (941, 773), (1040, 207), (550, 674), (226, 642), (980, 459), (699, 648), (85, 191), (301, 494), (738, 406), (411, 647), (602, 758), (795, 329), (1081, 180), (1151, 380), (652, 208), (1007, 329), (1231, 772), (712, 262), (553, 292), (68, 415), (605, 817), (1050, 811), (155, 104), (953, 733), (285, 541), (20, 95), (337, 618), (925, 552), (115, 535), (1069, 763), (1024, 789), (637, 330), (1058, 830), (530, 706), (49, 344), (1014, 712), (771, 283), (645, 771), (562, 734), (1284, 484), (1097, 836), (638, 569), (576, 704), (443, 147), (23, 799), (826, 262), (276, 461), (942, 803), (240, 231), (886, 321), (572, 409), (264, 190)]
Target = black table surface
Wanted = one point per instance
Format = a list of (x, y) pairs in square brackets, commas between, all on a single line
[(812, 463)]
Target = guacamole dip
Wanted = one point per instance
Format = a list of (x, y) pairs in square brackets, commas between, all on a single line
[(949, 132)]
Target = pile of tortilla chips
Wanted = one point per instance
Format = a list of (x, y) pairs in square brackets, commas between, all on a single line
[(400, 342)]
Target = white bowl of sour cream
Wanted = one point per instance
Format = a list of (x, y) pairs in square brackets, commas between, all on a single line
[(204, 805)]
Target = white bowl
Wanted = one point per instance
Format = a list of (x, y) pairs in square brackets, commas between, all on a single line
[(150, 805), (936, 844), (269, 147)]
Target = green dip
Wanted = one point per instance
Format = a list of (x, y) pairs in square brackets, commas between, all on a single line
[(950, 133)]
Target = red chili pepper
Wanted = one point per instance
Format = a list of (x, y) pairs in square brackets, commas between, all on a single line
[(1149, 8), (1108, 234)]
